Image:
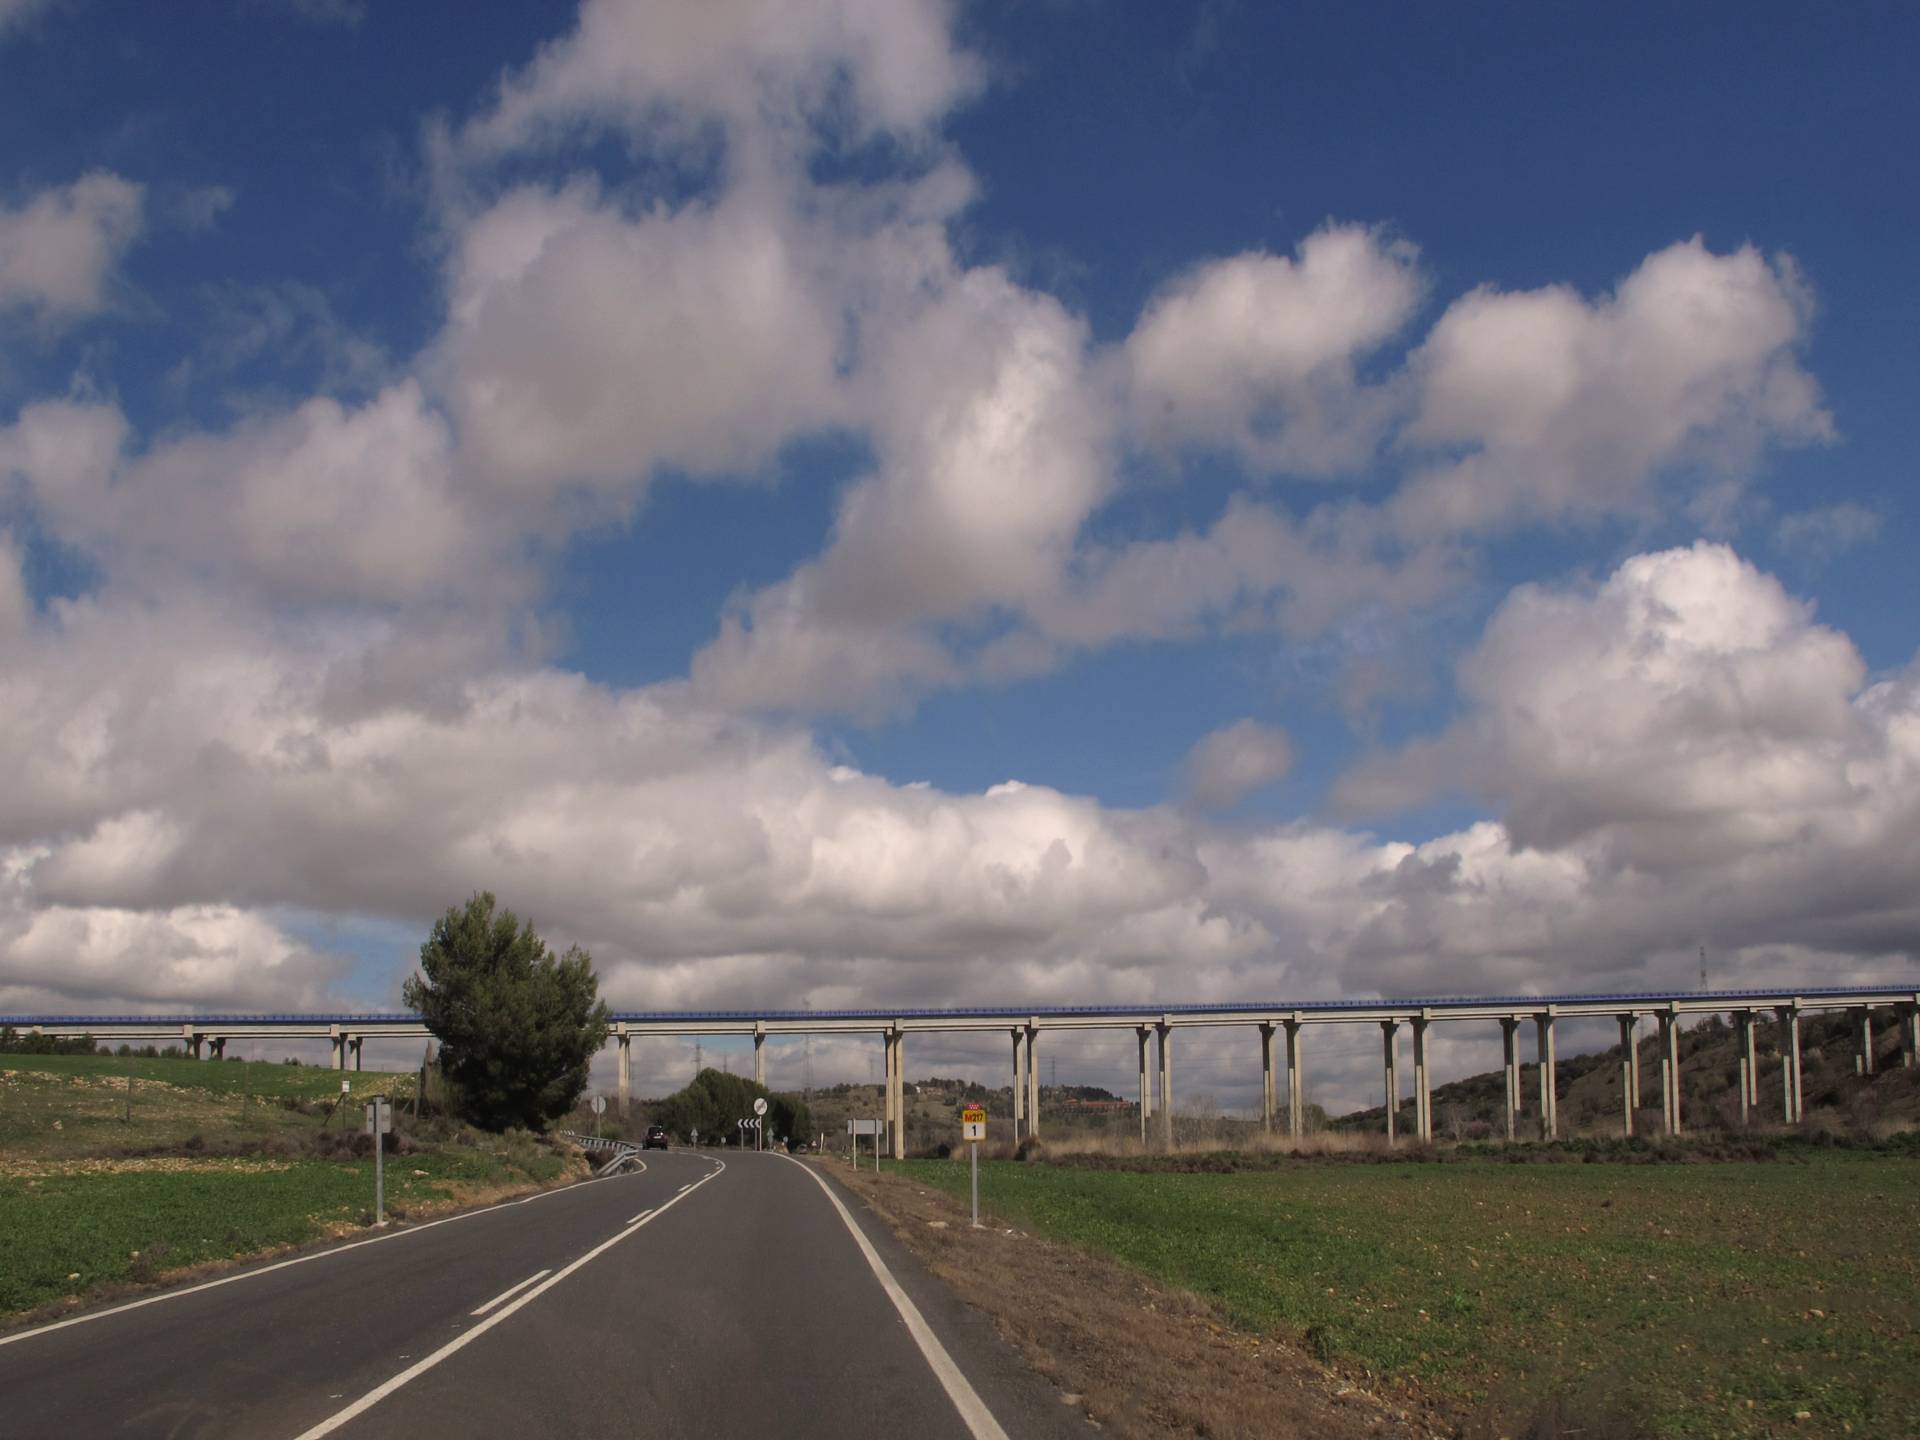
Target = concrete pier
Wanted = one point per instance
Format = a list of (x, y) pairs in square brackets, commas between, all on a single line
[(899, 1094), (1510, 1049), (1863, 1034), (1266, 1077), (1749, 1065), (1909, 1036), (1549, 1087), (1639, 1086), (1422, 1094), (1628, 1093), (1146, 1082), (1389, 1034), (759, 1053), (339, 1043), (624, 1066), (1670, 1070), (1165, 1031), (219, 1047), (1296, 1097), (1019, 1084), (354, 1044), (1790, 1092), (1033, 1081)]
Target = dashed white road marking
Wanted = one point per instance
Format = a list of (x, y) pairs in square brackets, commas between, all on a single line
[(974, 1413), (145, 1301), (420, 1367), (509, 1292), (638, 1218)]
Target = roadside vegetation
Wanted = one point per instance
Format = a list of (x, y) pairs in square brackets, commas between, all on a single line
[(1583, 1298), (213, 1161)]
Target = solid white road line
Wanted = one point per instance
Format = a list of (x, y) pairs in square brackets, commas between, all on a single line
[(511, 1290), (297, 1260), (973, 1410), (420, 1367)]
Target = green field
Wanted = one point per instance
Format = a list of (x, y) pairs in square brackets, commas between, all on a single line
[(72, 1227), (218, 1160), (1685, 1300)]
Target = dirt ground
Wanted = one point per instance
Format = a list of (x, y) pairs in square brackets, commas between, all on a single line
[(1140, 1361)]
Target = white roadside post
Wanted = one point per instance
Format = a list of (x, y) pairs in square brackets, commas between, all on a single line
[(973, 1130), (379, 1125)]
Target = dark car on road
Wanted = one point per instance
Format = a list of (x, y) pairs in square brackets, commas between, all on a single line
[(656, 1138)]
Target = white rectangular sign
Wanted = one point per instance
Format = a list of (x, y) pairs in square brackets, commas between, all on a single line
[(863, 1127), (386, 1119)]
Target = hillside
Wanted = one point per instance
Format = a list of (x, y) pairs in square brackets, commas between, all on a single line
[(1589, 1085)]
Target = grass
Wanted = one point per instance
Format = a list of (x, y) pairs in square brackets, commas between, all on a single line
[(1698, 1300), (75, 1227), (219, 1160), (52, 1105)]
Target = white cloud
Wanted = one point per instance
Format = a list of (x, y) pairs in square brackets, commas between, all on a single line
[(59, 251), (991, 450), (757, 68), (319, 504), (1231, 763), (1255, 568), (1258, 353), (1824, 533), (16, 606), (1688, 707), (310, 678), (179, 762), (1564, 408), (589, 347)]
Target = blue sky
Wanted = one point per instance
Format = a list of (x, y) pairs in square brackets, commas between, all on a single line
[(1393, 485)]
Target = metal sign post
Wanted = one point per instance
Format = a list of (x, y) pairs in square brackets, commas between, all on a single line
[(857, 1128), (973, 1130)]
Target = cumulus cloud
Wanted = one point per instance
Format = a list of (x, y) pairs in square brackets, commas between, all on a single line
[(1258, 353), (841, 69), (991, 453), (59, 251), (319, 504), (1234, 761), (589, 347), (1742, 784), (1688, 706), (1255, 568), (305, 680), (1560, 407)]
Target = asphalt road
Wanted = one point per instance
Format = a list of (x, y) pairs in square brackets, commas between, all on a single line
[(700, 1298)]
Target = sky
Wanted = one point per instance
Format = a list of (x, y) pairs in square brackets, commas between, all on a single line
[(860, 504)]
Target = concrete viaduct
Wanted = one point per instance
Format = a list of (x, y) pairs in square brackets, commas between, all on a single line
[(1153, 1028)]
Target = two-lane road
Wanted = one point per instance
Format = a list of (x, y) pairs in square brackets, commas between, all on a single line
[(699, 1298)]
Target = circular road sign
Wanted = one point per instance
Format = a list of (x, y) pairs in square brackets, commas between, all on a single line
[(760, 1106), (599, 1104)]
